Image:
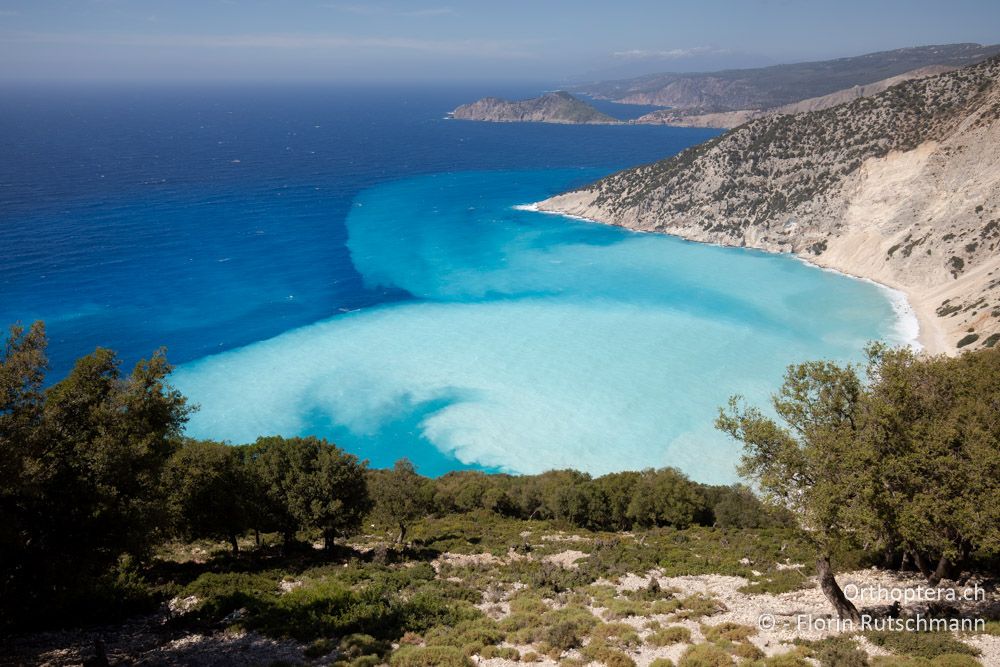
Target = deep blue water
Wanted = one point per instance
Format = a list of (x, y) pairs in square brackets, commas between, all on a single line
[(617, 109), (206, 219), (348, 263)]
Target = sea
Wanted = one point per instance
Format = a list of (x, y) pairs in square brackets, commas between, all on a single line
[(347, 262)]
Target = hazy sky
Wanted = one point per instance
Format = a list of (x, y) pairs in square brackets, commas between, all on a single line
[(458, 39)]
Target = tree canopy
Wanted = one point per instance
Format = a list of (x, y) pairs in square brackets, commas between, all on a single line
[(907, 461)]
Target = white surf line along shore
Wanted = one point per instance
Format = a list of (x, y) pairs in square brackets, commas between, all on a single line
[(908, 330)]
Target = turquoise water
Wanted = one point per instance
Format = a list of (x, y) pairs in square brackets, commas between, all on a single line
[(533, 341)]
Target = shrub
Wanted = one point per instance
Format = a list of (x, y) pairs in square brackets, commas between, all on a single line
[(221, 594), (624, 635), (357, 645), (727, 631), (502, 652), (920, 644), (705, 655), (744, 650), (946, 660), (599, 651), (563, 635), (698, 606), (662, 662), (777, 582), (528, 603), (790, 659), (672, 635), (841, 654), (431, 656)]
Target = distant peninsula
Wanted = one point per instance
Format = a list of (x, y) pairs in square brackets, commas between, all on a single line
[(554, 107), (726, 99)]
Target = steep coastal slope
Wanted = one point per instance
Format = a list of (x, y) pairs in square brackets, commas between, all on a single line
[(778, 85), (557, 107), (730, 119), (902, 187)]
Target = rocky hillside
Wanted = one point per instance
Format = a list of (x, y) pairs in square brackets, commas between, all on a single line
[(557, 107), (729, 119), (770, 87), (902, 187)]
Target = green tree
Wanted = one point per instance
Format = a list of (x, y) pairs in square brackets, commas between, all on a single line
[(736, 506), (809, 464), (22, 374), (665, 497), (468, 490), (81, 467), (931, 438), (401, 496), (617, 490), (208, 492), (307, 484)]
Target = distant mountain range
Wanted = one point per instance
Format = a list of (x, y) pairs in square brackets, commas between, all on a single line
[(769, 87), (729, 98)]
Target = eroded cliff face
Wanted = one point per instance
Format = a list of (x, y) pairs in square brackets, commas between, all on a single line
[(902, 187)]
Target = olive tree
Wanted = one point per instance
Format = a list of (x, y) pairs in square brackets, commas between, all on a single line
[(401, 496), (208, 492), (808, 462), (307, 484)]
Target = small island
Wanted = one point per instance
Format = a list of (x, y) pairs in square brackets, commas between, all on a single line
[(555, 107)]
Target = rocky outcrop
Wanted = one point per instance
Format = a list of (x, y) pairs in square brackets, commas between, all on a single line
[(557, 107), (902, 187)]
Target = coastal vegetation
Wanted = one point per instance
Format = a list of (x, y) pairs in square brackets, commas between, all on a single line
[(109, 513)]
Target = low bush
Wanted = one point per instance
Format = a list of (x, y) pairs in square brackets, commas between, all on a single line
[(705, 655), (698, 606), (430, 656), (920, 644), (728, 631), (777, 582), (667, 636)]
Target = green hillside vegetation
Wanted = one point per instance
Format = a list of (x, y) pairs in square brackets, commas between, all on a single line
[(776, 164), (107, 511)]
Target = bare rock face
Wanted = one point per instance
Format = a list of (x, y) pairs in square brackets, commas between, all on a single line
[(557, 107), (902, 187)]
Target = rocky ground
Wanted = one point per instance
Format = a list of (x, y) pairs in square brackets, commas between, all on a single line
[(636, 618)]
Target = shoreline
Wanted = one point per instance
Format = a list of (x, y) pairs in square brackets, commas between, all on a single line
[(914, 327)]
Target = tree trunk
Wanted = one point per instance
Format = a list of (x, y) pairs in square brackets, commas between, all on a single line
[(940, 572), (256, 537), (906, 563), (921, 563), (235, 545), (328, 538), (831, 589), (402, 533)]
